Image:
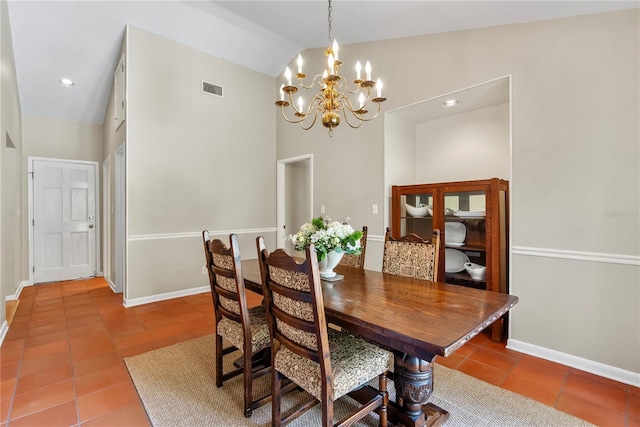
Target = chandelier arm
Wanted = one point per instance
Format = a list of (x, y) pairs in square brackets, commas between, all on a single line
[(315, 117), (357, 89), (347, 105), (315, 100), (313, 83), (284, 116), (343, 100), (346, 102), (346, 119), (368, 119)]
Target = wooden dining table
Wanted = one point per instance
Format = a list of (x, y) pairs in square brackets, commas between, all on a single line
[(415, 319)]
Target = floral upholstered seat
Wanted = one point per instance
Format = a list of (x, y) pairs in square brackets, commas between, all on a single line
[(324, 362), (234, 333), (354, 362)]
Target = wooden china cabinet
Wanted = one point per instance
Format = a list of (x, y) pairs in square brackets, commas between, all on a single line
[(476, 216)]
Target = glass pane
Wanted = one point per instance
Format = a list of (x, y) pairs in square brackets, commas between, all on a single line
[(464, 237), (416, 216), (473, 201)]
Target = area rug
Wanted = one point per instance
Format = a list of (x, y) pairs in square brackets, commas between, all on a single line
[(177, 388)]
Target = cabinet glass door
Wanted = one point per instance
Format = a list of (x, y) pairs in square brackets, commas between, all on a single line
[(416, 215), (465, 238)]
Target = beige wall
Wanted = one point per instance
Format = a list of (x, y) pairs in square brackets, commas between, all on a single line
[(466, 146), (575, 159), (194, 162), (57, 138), (62, 139), (12, 271)]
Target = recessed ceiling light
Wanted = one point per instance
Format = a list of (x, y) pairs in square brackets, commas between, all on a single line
[(450, 103), (67, 82)]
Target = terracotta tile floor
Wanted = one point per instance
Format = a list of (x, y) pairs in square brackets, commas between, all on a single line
[(62, 361)]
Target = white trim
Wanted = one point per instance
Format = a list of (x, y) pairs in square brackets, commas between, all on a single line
[(168, 295), (597, 368), (510, 193), (4, 328), (111, 285), (374, 238), (199, 234), (106, 216), (16, 295), (120, 218), (577, 255)]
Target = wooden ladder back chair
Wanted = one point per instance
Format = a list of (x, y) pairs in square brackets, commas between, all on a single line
[(246, 329), (324, 362), (411, 256), (357, 260)]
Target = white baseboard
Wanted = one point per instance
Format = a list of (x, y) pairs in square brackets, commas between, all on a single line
[(4, 328), (18, 291), (597, 368), (162, 297), (112, 285)]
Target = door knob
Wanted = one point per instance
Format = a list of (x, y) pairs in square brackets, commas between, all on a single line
[(91, 225)]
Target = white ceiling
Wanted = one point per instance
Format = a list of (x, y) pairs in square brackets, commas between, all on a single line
[(472, 98), (81, 39)]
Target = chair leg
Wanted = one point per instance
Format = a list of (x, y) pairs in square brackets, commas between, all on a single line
[(276, 417), (219, 353), (382, 386), (327, 412), (248, 382)]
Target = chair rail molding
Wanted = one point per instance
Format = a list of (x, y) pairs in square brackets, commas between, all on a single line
[(577, 255), (198, 234)]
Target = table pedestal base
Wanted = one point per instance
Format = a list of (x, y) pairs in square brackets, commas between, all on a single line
[(413, 381)]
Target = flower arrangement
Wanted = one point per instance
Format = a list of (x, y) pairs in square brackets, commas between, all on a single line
[(327, 235)]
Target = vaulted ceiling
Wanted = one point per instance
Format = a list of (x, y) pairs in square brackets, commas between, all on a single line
[(81, 40)]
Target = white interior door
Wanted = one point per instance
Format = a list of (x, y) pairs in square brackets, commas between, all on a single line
[(64, 220)]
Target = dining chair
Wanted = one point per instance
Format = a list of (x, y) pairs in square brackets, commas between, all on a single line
[(244, 328), (411, 256), (357, 260), (326, 363)]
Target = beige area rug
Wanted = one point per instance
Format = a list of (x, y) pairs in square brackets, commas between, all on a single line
[(177, 387)]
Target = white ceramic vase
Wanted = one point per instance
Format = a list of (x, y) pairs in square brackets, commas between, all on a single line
[(329, 263)]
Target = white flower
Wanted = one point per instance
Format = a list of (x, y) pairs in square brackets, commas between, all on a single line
[(327, 235)]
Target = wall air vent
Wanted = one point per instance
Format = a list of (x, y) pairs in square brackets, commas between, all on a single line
[(211, 89)]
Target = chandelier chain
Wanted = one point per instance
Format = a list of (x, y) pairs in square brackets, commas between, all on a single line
[(330, 19)]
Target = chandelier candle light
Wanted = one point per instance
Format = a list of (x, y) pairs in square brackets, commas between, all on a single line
[(330, 101)]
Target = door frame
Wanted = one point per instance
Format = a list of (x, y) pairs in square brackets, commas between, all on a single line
[(106, 209), (281, 193), (30, 167), (119, 282)]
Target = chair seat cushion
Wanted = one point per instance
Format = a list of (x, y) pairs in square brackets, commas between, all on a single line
[(354, 362), (232, 331)]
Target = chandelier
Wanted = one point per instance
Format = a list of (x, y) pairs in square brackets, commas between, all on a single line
[(330, 102)]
